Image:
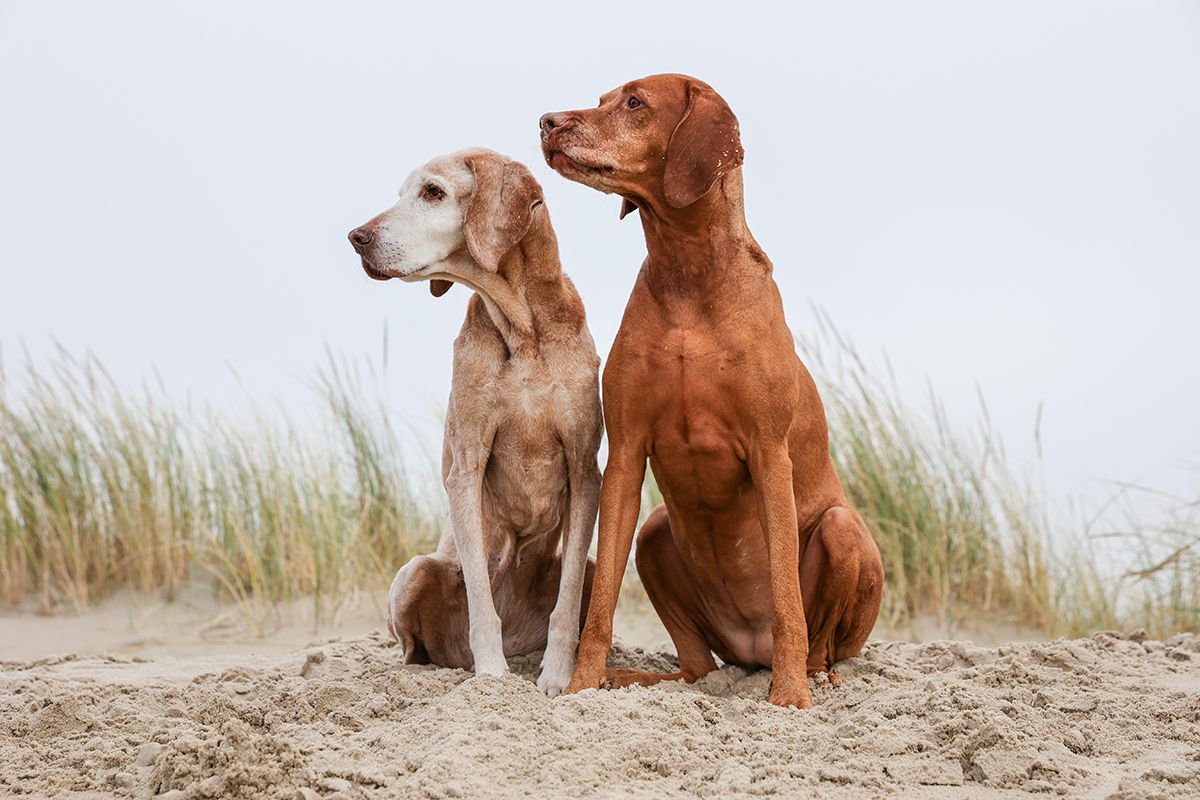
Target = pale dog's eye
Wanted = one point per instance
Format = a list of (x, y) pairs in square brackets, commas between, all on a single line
[(432, 193)]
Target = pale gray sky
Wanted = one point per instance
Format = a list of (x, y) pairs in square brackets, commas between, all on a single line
[(1003, 195)]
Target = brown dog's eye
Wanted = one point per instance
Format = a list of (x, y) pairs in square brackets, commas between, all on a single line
[(632, 102), (432, 193)]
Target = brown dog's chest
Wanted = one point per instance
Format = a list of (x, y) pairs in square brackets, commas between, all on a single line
[(691, 385)]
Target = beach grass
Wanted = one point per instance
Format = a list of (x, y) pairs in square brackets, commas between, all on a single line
[(964, 536), (104, 489)]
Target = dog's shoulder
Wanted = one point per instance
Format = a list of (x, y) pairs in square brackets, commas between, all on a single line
[(479, 354)]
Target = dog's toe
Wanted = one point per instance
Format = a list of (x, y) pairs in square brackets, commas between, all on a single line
[(491, 666), (554, 678)]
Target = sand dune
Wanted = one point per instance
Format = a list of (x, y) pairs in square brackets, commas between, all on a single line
[(1105, 717)]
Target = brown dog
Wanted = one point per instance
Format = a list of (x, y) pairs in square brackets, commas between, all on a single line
[(755, 555)]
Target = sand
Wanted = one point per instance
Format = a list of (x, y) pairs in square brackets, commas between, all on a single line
[(1106, 717)]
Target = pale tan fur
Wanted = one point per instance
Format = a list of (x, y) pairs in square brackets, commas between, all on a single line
[(523, 423)]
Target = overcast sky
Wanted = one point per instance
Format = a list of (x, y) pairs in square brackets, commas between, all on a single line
[(1001, 196)]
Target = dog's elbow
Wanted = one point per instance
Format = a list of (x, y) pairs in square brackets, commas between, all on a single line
[(585, 472), (465, 474)]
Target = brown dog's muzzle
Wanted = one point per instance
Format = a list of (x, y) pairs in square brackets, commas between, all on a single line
[(551, 122), (562, 131)]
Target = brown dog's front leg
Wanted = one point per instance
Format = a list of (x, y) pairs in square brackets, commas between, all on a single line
[(620, 499), (771, 472)]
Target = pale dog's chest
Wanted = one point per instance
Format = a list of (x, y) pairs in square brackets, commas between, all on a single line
[(527, 469), (520, 395)]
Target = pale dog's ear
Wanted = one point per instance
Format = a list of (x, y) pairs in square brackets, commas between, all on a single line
[(705, 145), (438, 287), (501, 208)]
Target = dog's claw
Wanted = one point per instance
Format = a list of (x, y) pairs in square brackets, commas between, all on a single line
[(790, 700), (832, 678), (551, 689), (554, 678), (791, 695), (586, 680)]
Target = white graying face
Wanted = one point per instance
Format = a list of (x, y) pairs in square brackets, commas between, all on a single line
[(424, 228)]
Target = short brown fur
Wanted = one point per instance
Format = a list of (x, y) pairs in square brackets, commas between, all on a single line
[(755, 555)]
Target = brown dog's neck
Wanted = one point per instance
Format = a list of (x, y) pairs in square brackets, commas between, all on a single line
[(694, 250), (528, 298)]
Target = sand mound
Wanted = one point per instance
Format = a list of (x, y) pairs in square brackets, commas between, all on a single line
[(1109, 716)]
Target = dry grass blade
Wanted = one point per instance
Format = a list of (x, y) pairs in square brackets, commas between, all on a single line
[(102, 489)]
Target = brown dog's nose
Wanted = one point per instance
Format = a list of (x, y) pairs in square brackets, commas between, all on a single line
[(361, 237), (549, 122)]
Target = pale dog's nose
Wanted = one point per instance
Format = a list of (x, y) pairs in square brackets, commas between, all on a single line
[(361, 237)]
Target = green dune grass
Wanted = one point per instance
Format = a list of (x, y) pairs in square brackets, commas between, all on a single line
[(102, 489)]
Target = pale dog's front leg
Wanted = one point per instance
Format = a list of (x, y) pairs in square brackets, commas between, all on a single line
[(559, 659), (464, 485)]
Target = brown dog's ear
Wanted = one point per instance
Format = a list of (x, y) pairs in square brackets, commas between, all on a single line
[(705, 145), (501, 208), (627, 207), (438, 287)]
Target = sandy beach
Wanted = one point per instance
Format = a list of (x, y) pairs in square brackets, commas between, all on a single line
[(1110, 716)]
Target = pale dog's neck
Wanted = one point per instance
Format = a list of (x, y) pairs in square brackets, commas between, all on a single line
[(532, 267), (511, 312)]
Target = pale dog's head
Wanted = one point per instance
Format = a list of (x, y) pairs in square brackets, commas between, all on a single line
[(457, 214)]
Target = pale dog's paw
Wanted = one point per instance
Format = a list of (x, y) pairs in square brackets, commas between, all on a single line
[(491, 665), (487, 648), (556, 673)]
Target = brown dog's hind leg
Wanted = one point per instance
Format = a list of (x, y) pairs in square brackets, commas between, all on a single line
[(662, 572), (841, 577)]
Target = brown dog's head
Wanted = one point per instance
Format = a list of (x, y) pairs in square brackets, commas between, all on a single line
[(459, 212), (662, 139)]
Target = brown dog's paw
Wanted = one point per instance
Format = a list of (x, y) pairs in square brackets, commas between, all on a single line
[(834, 680), (792, 696), (620, 678), (584, 678)]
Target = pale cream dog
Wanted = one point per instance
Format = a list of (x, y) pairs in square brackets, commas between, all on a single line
[(522, 427)]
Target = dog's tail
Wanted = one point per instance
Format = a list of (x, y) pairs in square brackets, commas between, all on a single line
[(391, 625), (403, 636), (406, 642)]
